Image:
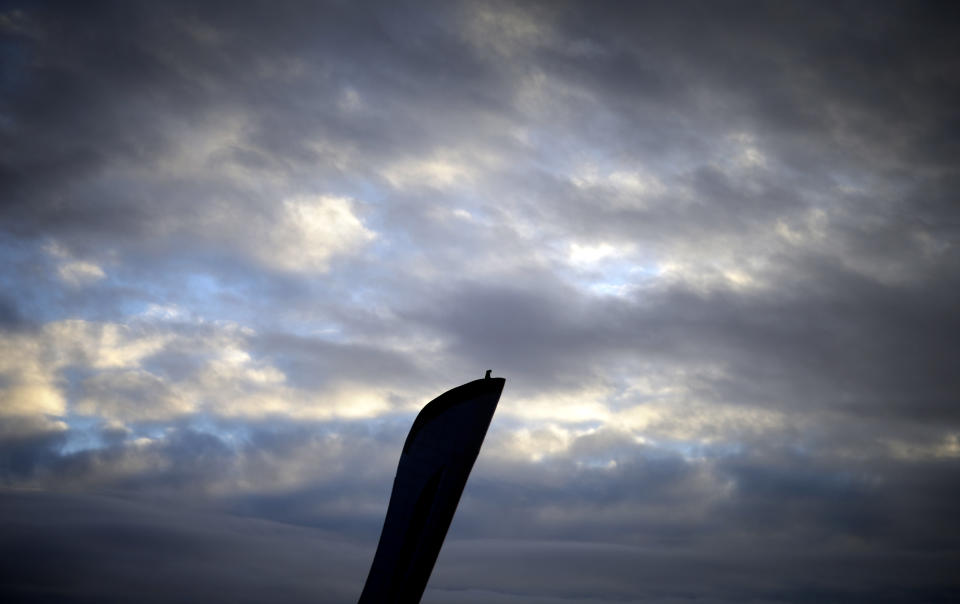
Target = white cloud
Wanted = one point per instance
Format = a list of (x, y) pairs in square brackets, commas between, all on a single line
[(80, 272), (73, 271), (100, 345), (164, 312), (585, 404), (626, 187), (30, 396), (585, 255), (311, 231), (130, 395), (441, 171), (117, 386), (31, 363), (28, 385)]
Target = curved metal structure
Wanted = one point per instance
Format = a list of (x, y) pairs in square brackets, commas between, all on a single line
[(436, 460)]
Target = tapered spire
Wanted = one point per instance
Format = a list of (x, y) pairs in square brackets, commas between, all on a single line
[(434, 466)]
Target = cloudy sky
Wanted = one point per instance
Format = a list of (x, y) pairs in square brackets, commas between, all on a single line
[(712, 247)]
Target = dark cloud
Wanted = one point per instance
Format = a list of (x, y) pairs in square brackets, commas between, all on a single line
[(26, 447), (72, 548)]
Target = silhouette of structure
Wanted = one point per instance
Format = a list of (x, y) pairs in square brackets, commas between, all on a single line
[(436, 460)]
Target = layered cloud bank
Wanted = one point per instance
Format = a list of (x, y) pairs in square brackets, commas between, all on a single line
[(712, 248)]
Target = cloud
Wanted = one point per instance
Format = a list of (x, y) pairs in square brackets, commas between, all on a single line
[(78, 273), (74, 272), (312, 231), (28, 385), (189, 554), (711, 248)]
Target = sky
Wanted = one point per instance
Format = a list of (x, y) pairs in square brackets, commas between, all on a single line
[(711, 246)]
